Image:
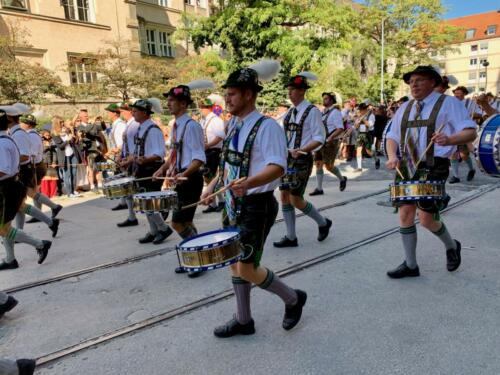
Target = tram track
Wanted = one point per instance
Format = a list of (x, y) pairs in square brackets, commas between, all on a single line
[(225, 294), (151, 254)]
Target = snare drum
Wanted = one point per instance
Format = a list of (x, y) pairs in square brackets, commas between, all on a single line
[(290, 179), (487, 147), (119, 187), (155, 201), (114, 177), (105, 166), (417, 191), (210, 250)]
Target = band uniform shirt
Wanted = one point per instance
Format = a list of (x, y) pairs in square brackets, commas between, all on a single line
[(269, 147), (9, 157), (452, 113), (154, 145), (22, 140), (214, 127), (334, 120), (371, 123), (472, 107), (36, 146), (117, 129), (193, 141), (313, 129), (131, 130)]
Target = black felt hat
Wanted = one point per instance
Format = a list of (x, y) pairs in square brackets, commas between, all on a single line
[(298, 81), (181, 92), (244, 78), (143, 105), (426, 70)]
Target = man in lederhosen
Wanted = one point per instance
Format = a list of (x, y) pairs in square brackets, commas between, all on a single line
[(125, 159), (334, 126), (12, 196), (365, 121), (213, 127), (186, 160), (305, 133), (149, 151), (413, 128), (27, 171), (254, 148), (28, 123)]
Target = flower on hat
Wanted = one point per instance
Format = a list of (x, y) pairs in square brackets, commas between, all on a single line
[(297, 80), (178, 91)]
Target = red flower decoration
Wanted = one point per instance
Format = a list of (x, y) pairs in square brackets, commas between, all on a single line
[(297, 80), (178, 91)]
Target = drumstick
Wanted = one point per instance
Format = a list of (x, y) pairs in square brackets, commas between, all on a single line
[(399, 172), (429, 145), (299, 152), (222, 190)]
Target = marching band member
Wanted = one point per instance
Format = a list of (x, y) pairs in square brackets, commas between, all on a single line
[(364, 122), (413, 128), (304, 133), (12, 196), (186, 160), (254, 148), (334, 126)]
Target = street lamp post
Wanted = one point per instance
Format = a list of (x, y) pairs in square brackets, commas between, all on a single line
[(382, 68), (485, 64)]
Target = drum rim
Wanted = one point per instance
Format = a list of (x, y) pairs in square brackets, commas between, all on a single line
[(495, 145), (416, 182), (173, 193), (211, 246), (113, 182)]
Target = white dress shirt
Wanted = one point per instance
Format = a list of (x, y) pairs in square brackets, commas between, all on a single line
[(269, 147), (334, 120), (117, 129), (22, 140), (131, 131), (213, 126), (371, 123), (313, 129), (452, 113), (9, 157), (36, 146), (471, 106), (154, 146), (193, 141)]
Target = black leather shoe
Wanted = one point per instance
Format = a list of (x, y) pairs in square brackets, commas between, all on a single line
[(119, 207), (377, 164), (220, 207), (43, 251), (32, 221), (162, 235), (316, 192), (233, 328), (453, 257), (195, 274), (8, 305), (471, 174), (210, 209), (54, 227), (324, 230), (26, 366), (403, 271), (343, 183), (180, 270), (9, 266), (454, 180), (285, 242), (293, 313), (147, 238), (128, 223), (55, 211)]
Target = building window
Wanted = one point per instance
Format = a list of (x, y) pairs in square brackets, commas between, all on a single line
[(162, 3), (483, 46), (469, 34), (78, 10), (198, 3), (472, 76), (491, 30), (482, 75), (16, 4), (473, 48), (81, 70), (158, 43), (473, 62)]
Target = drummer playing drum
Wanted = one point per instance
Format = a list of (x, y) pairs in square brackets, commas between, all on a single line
[(254, 149), (415, 127)]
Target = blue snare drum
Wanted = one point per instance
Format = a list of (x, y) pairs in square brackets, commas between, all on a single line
[(210, 250), (487, 147)]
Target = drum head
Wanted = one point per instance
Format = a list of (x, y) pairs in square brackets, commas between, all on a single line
[(209, 240), (120, 181), (156, 194)]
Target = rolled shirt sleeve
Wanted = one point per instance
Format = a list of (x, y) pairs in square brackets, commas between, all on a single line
[(155, 144), (316, 127), (272, 142), (335, 120), (195, 141)]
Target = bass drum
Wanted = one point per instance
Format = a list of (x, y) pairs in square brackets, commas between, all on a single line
[(487, 149)]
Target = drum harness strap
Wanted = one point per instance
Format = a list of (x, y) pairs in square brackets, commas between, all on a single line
[(325, 115), (294, 127), (179, 146), (236, 158), (140, 143)]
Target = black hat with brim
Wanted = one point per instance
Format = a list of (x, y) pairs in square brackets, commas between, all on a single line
[(424, 70), (245, 78), (28, 119), (181, 93), (298, 82), (143, 105), (331, 95)]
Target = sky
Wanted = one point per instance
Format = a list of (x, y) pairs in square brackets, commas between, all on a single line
[(459, 8)]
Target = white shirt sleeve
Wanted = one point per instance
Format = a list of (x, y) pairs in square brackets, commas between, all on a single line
[(371, 121), (118, 134), (457, 116), (218, 127), (23, 143), (272, 143), (316, 126), (335, 120), (195, 141), (155, 144)]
